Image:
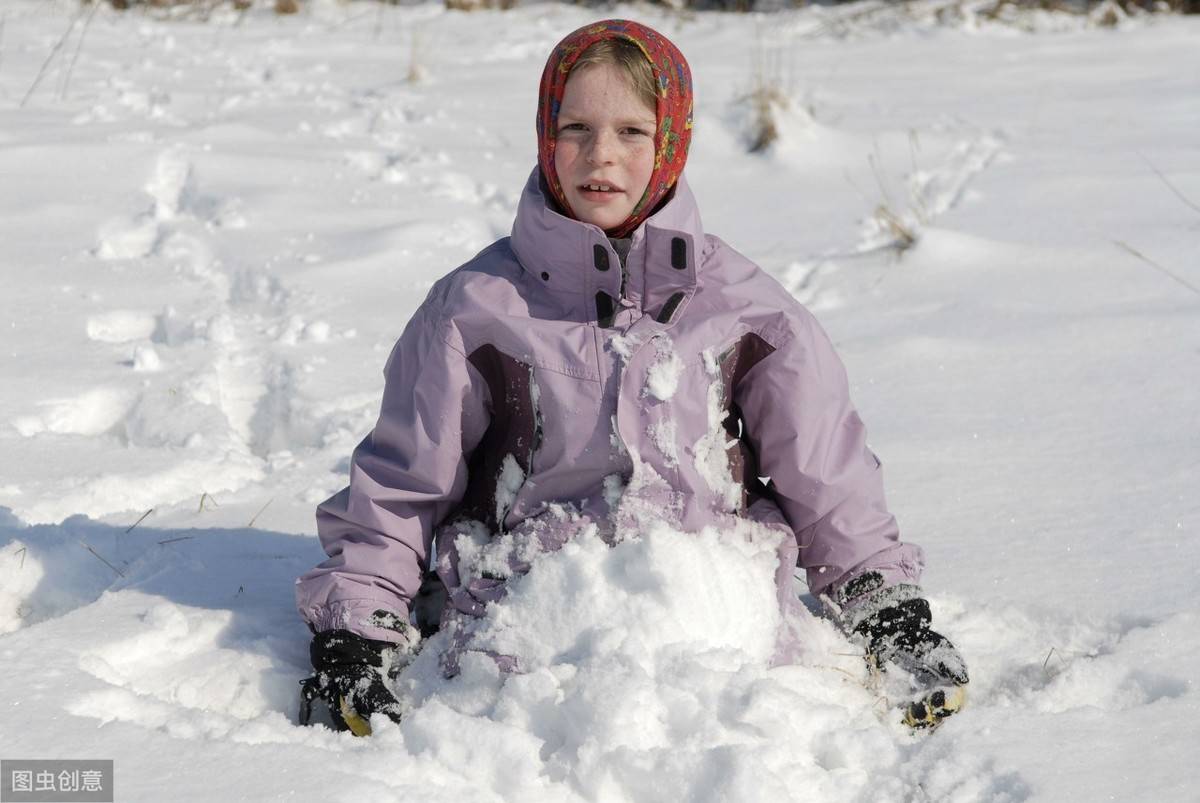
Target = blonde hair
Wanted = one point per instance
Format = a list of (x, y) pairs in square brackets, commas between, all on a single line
[(630, 58)]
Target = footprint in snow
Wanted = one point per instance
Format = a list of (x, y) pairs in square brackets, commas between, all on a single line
[(174, 194)]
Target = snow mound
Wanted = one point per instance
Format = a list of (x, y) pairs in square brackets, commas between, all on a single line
[(91, 413), (121, 326), (666, 592), (647, 676)]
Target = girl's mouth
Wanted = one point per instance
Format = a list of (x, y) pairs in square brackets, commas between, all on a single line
[(598, 192)]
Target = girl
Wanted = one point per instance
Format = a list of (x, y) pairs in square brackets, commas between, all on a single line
[(607, 362)]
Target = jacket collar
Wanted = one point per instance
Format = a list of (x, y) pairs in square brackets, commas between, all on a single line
[(576, 262)]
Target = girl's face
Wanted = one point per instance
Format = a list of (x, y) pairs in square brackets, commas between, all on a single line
[(604, 153)]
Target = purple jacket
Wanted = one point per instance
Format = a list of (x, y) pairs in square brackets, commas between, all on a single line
[(544, 387)]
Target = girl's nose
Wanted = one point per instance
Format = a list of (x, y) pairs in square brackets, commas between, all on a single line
[(601, 148)]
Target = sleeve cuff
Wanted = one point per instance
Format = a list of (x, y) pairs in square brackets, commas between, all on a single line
[(357, 616)]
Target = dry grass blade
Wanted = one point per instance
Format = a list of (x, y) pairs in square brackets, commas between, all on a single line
[(22, 552), (873, 161), (1166, 272), (766, 130), (102, 560), (1178, 194), (260, 512), (62, 92), (903, 235), (37, 80), (242, 8), (766, 98), (476, 5), (140, 520), (173, 540), (1046, 663), (845, 672)]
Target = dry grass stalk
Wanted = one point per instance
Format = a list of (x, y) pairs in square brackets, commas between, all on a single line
[(1109, 14), (999, 8), (102, 560), (66, 83), (140, 520), (477, 5), (766, 98), (53, 52), (904, 235), (1102, 13), (1175, 190), (201, 8), (260, 512), (1168, 273), (1046, 663)]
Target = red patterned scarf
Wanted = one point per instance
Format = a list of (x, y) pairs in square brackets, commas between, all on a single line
[(673, 112)]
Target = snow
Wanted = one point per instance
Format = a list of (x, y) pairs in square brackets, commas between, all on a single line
[(662, 378), (614, 489), (710, 453), (145, 358), (508, 486), (614, 436), (663, 435), (212, 233), (624, 345), (641, 598)]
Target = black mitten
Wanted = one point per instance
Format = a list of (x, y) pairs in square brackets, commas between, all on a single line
[(350, 672), (894, 622)]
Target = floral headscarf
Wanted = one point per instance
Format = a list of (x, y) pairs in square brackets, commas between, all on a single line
[(673, 113)]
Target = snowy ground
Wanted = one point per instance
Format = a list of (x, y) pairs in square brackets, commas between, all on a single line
[(211, 234)]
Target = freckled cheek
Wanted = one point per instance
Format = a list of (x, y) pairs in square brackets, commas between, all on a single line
[(565, 155), (643, 166)]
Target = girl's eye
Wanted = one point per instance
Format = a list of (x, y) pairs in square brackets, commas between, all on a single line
[(637, 132), (572, 127)]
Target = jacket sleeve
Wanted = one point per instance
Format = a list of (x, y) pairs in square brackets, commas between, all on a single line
[(406, 476), (810, 441)]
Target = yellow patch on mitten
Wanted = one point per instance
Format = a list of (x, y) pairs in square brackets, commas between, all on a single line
[(358, 726), (929, 711)]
